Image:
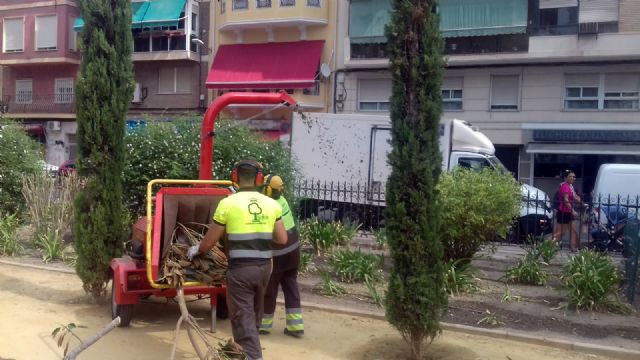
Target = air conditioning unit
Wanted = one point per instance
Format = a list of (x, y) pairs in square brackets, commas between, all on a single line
[(54, 126), (137, 94), (588, 28)]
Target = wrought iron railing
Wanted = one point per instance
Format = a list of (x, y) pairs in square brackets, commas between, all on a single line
[(287, 2), (38, 103), (609, 224)]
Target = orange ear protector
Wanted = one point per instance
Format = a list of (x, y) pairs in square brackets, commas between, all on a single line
[(256, 165)]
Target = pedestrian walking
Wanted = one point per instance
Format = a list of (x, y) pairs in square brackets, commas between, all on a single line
[(286, 261), (566, 212), (252, 221)]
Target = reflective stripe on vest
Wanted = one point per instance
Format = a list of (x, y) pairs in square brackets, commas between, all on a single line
[(255, 254), (249, 219), (251, 236), (286, 250)]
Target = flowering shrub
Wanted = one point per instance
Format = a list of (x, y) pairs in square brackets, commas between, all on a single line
[(19, 156), (171, 150)]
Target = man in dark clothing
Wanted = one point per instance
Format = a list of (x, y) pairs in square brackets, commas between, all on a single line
[(252, 221), (286, 260)]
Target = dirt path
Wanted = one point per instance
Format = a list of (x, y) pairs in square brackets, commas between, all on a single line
[(34, 302)]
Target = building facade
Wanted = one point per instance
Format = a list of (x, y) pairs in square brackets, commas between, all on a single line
[(553, 83), (41, 56), (273, 45)]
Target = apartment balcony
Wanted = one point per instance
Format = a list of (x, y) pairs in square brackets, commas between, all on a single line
[(162, 45), (38, 106), (240, 15)]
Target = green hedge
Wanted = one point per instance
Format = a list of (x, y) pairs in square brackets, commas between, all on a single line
[(475, 207), (19, 156), (171, 150)]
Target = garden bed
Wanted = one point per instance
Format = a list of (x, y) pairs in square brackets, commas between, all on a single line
[(529, 308), (523, 307)]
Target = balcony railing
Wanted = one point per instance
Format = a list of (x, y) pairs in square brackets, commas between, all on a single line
[(38, 104), (287, 2), (314, 3)]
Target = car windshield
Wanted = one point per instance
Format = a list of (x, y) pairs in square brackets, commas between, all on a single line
[(497, 164)]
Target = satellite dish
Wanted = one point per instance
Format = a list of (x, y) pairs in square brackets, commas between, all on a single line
[(325, 71)]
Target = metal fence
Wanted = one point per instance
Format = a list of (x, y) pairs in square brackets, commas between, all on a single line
[(607, 224)]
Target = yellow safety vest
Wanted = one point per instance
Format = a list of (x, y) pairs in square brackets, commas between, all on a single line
[(249, 218)]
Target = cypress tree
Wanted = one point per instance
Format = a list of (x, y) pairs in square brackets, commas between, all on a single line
[(416, 298), (103, 92)]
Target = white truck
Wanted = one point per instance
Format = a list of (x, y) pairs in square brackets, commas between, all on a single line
[(344, 159)]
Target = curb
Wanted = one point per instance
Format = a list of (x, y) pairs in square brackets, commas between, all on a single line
[(587, 348), (620, 353), (38, 267)]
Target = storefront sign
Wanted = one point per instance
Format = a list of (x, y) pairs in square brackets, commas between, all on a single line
[(587, 136)]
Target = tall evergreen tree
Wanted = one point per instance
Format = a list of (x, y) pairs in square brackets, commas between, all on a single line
[(416, 297), (103, 92)]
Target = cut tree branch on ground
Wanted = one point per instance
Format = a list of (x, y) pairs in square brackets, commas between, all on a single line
[(230, 350), (83, 346)]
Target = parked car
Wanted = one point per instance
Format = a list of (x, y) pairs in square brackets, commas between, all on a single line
[(535, 215), (67, 167), (49, 169), (615, 202)]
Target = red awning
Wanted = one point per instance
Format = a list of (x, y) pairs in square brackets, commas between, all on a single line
[(282, 65)]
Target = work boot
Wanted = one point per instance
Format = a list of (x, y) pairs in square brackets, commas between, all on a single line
[(296, 334)]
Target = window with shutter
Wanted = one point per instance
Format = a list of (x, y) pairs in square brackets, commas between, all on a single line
[(13, 35), (505, 92), (73, 36), (598, 11), (46, 32), (621, 91), (174, 80), (374, 94)]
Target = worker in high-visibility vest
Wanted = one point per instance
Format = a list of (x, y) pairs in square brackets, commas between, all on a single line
[(252, 222), (286, 260)]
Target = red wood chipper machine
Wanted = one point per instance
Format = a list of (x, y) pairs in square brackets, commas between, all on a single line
[(137, 274)]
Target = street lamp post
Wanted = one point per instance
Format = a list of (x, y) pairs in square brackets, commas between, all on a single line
[(200, 43)]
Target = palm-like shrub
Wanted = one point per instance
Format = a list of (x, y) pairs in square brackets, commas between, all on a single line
[(355, 266), (592, 281)]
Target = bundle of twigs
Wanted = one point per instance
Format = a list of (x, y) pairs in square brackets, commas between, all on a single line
[(209, 268)]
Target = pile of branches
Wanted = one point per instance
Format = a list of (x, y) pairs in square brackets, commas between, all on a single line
[(209, 268)]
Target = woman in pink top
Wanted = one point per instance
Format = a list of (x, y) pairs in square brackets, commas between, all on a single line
[(566, 212)]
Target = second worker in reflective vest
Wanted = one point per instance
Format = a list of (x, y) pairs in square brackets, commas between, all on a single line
[(252, 222), (286, 260)]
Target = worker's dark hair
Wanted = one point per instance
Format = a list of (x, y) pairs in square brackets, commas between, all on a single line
[(247, 171)]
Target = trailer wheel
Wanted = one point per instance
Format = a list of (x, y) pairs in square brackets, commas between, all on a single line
[(125, 311), (222, 311)]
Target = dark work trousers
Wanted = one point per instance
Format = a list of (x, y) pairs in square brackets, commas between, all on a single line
[(285, 274), (246, 285)]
